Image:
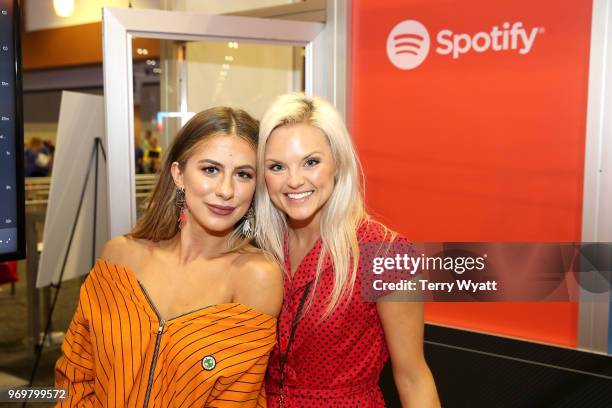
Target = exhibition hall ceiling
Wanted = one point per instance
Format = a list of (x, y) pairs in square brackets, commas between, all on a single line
[(42, 15)]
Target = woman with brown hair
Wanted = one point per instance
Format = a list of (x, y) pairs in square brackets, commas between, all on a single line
[(182, 310)]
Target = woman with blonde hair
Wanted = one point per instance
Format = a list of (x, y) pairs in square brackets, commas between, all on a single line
[(331, 344), (182, 310)]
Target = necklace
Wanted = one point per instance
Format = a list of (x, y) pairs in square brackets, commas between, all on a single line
[(283, 359)]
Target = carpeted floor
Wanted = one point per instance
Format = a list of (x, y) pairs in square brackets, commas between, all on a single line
[(16, 348)]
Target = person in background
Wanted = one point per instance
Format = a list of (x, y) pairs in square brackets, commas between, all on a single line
[(153, 155), (138, 159), (138, 155), (36, 159), (182, 310), (144, 144), (147, 139), (332, 344), (51, 151)]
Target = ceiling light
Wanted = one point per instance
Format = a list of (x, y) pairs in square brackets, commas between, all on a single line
[(63, 8)]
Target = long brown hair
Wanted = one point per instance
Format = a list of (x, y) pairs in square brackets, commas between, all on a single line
[(159, 221)]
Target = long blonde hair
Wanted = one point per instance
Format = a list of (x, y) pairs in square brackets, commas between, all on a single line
[(159, 221), (343, 212)]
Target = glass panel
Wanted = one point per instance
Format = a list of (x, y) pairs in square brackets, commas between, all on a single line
[(146, 80), (178, 79), (239, 74)]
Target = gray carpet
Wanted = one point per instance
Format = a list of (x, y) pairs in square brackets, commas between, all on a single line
[(16, 349)]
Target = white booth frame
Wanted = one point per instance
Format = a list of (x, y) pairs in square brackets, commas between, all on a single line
[(594, 309), (325, 74)]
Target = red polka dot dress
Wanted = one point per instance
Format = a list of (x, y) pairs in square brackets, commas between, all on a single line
[(334, 362)]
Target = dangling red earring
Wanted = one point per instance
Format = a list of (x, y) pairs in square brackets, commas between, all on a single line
[(182, 219)]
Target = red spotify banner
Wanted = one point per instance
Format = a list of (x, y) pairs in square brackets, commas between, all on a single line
[(469, 118)]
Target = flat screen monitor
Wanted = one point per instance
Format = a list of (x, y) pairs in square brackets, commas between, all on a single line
[(12, 200)]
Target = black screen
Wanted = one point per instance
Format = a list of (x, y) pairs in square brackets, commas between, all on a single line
[(12, 204)]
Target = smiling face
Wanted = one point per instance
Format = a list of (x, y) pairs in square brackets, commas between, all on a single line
[(219, 182), (299, 171)]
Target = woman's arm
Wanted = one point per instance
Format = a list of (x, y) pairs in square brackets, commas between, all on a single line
[(403, 325), (74, 371)]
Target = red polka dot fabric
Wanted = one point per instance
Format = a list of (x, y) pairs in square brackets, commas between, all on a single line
[(334, 362)]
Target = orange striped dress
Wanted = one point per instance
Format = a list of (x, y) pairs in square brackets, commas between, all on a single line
[(119, 353)]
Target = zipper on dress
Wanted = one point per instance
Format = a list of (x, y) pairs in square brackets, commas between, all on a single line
[(160, 330)]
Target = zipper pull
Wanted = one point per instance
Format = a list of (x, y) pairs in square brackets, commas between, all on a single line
[(160, 329)]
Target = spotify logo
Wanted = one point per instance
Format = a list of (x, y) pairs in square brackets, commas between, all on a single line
[(408, 44)]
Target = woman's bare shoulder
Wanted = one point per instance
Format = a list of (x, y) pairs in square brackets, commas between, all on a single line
[(258, 282), (123, 250)]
